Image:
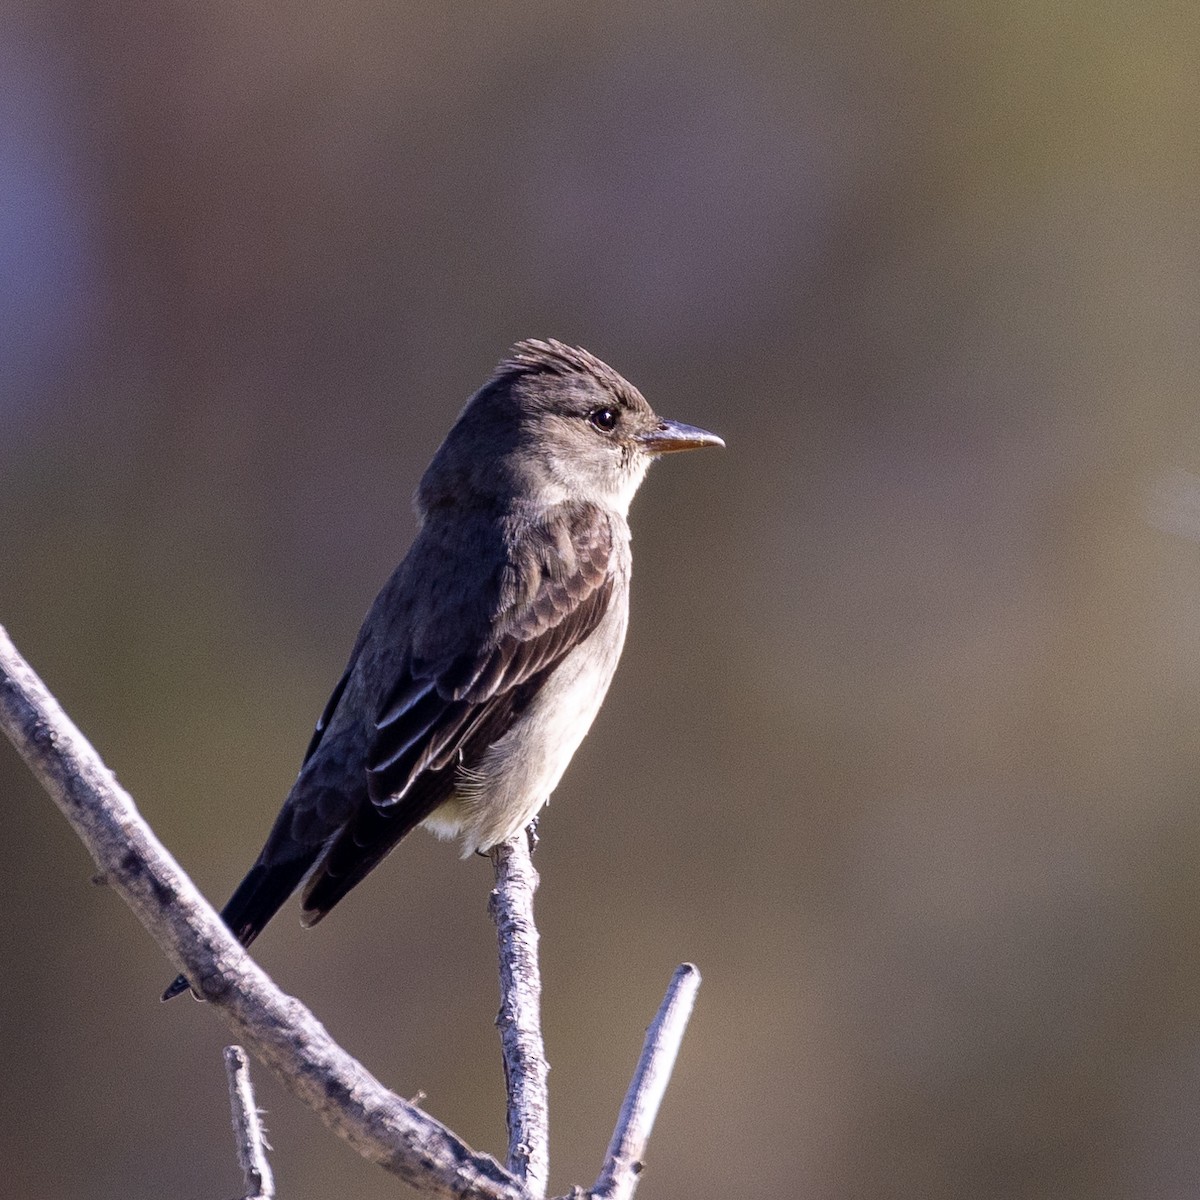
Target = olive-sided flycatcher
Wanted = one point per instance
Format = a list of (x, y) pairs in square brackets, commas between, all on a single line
[(485, 658)]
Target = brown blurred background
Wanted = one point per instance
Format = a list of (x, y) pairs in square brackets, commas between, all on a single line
[(904, 749)]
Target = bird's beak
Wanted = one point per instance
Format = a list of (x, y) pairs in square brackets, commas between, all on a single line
[(669, 436)]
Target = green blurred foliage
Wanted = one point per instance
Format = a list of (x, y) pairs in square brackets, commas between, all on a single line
[(903, 750)]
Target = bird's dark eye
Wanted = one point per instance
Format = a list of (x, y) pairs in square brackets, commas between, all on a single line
[(604, 419)]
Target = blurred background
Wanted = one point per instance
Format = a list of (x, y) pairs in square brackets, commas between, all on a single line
[(903, 751)]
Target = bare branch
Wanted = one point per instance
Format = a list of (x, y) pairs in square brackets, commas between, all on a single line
[(623, 1164), (278, 1029), (248, 1133), (519, 1019)]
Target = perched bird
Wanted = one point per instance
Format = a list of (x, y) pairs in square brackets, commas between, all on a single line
[(485, 658)]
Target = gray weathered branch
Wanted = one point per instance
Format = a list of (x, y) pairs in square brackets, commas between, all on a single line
[(248, 1133), (519, 1018), (278, 1029), (624, 1161), (288, 1039)]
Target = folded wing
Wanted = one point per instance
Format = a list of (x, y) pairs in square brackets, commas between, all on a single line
[(462, 691)]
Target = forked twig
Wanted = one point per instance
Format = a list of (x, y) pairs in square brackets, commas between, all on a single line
[(286, 1037), (625, 1159)]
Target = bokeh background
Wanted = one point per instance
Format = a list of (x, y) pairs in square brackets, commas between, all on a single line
[(903, 751)]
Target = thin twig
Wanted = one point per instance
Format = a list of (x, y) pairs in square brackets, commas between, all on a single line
[(623, 1163), (248, 1133), (278, 1029), (519, 1018)]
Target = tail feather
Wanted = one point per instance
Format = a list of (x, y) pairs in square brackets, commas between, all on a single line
[(367, 839), (348, 862)]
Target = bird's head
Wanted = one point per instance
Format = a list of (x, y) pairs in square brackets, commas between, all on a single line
[(553, 423)]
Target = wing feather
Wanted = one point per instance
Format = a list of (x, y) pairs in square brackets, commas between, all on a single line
[(448, 707), (565, 586)]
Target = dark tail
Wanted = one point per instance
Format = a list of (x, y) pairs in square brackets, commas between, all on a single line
[(258, 898), (367, 838)]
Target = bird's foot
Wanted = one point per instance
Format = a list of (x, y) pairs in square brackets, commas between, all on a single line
[(531, 833)]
